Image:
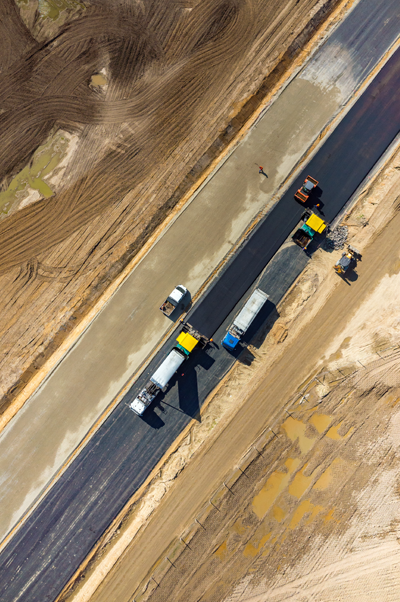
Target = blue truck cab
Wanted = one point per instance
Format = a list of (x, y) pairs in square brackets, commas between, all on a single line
[(229, 341)]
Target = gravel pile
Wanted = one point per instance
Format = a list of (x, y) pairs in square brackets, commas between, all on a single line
[(337, 238)]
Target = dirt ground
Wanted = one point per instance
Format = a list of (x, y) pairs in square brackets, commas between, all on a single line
[(108, 115), (302, 506)]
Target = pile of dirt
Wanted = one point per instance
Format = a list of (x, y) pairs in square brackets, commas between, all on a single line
[(337, 238), (178, 77)]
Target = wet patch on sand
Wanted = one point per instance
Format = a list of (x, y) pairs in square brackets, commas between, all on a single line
[(33, 182)]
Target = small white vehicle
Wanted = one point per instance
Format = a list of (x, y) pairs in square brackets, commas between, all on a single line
[(173, 300)]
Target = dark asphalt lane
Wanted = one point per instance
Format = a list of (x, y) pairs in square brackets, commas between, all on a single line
[(346, 157), (41, 557)]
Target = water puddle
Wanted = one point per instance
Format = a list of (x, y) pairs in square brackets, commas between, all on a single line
[(238, 528), (333, 433), (253, 548), (98, 80), (327, 476), (275, 484), (295, 431), (324, 480), (304, 508), (278, 514), (329, 516), (222, 551), (320, 421), (300, 483)]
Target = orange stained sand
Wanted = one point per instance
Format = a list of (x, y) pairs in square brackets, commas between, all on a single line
[(324, 480), (221, 551), (275, 484), (316, 510), (392, 399), (300, 483), (279, 514), (295, 430), (333, 432), (327, 476), (304, 508), (252, 549), (320, 421), (329, 516)]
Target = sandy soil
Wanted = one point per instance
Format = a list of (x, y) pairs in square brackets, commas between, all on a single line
[(228, 427), (158, 63)]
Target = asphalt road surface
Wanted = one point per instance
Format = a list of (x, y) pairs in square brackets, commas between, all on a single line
[(42, 556)]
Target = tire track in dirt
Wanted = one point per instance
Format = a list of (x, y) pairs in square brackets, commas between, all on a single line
[(169, 106), (15, 38)]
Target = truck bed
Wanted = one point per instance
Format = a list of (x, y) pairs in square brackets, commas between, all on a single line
[(250, 310), (167, 308), (170, 365), (301, 238)]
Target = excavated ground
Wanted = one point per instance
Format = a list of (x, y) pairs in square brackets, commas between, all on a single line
[(109, 113), (316, 512)]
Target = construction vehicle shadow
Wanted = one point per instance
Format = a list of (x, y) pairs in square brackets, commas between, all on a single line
[(187, 379), (314, 201), (241, 353), (316, 243), (349, 277), (151, 418)]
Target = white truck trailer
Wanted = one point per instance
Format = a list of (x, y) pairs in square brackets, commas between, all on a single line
[(244, 318), (187, 340), (158, 381)]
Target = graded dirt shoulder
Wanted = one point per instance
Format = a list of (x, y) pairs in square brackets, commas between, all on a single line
[(325, 314)]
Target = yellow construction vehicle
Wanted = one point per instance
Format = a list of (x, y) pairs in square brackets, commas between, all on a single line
[(348, 260), (313, 225)]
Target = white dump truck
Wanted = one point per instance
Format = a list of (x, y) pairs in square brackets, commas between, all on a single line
[(173, 299), (186, 342), (244, 318)]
